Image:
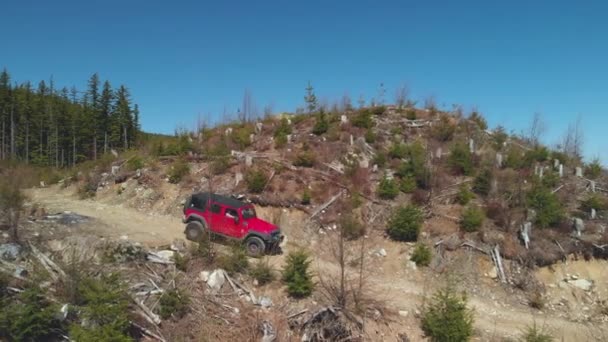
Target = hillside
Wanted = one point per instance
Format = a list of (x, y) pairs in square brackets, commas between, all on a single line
[(517, 226)]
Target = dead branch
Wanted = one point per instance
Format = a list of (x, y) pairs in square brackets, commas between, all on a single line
[(471, 245), (54, 271), (150, 316), (148, 332), (325, 205), (558, 189)]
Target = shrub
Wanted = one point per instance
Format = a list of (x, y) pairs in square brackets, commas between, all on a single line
[(174, 303), (241, 136), (499, 137), (514, 158), (280, 141), (464, 195), (296, 274), (363, 119), (550, 179), (135, 163), (236, 261), (28, 318), (256, 181), (105, 307), (460, 159), (220, 165), (420, 197), (535, 334), (410, 114), (483, 182), (380, 159), (415, 165), (405, 223), (407, 184), (321, 124), (388, 188), (397, 151), (262, 272), (444, 130), (594, 169), (305, 197), (378, 110), (536, 300), (538, 154), (283, 129), (370, 136), (547, 206), (178, 171), (181, 262), (594, 201), (351, 228), (88, 188), (472, 219), (447, 318), (304, 159), (422, 255), (479, 120)]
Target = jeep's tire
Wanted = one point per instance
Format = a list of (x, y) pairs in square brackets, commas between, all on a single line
[(255, 246), (194, 231)]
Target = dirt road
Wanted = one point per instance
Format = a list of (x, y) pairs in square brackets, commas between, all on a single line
[(402, 293)]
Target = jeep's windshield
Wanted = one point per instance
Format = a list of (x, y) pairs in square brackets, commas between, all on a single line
[(248, 213)]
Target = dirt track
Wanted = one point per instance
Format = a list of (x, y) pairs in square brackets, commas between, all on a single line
[(404, 294)]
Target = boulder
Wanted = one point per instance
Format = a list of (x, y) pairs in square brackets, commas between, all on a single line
[(204, 276), (10, 251), (265, 302), (582, 284), (216, 280)]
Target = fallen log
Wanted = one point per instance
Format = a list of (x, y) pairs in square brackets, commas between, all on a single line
[(150, 316), (148, 332), (325, 205)]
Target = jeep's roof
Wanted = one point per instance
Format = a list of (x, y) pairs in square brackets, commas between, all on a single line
[(225, 200)]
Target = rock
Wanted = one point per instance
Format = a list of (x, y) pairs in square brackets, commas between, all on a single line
[(403, 313), (258, 127), (10, 251), (178, 245), (381, 252), (165, 255), (228, 131), (343, 119), (21, 272), (412, 265), (375, 168), (582, 284), (238, 177), (42, 184), (63, 312), (493, 273), (265, 302), (579, 225), (216, 280), (204, 276), (124, 237), (248, 161), (115, 170)]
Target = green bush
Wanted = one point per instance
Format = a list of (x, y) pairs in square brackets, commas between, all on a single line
[(88, 188), (407, 184), (178, 171), (181, 262), (304, 159), (594, 201), (388, 188), (283, 129), (280, 141), (479, 120), (241, 136), (472, 219), (256, 181), (397, 151), (404, 223), (363, 119), (236, 261), (380, 159), (594, 169), (483, 182), (174, 303), (29, 317), (535, 334), (550, 179), (351, 228), (410, 114), (547, 206), (444, 130), (135, 163), (262, 272), (378, 110), (305, 197), (297, 276), (370, 136), (499, 137), (538, 154), (321, 124), (422, 255), (464, 195), (460, 159), (415, 165), (514, 159), (220, 165), (105, 307), (447, 318)]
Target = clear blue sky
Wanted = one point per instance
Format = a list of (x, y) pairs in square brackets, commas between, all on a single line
[(508, 58)]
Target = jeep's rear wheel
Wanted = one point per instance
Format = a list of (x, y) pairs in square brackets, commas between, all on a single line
[(255, 246), (194, 231)]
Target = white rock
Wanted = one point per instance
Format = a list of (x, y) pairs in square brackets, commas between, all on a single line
[(265, 302), (412, 265), (493, 273), (343, 119), (204, 276), (381, 252), (216, 280), (582, 284), (403, 313)]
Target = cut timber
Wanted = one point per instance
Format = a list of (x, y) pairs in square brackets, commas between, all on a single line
[(471, 245), (558, 189), (498, 262), (54, 271), (151, 316), (148, 332), (325, 205)]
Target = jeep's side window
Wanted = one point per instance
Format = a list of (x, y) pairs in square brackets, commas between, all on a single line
[(231, 213), (215, 208)]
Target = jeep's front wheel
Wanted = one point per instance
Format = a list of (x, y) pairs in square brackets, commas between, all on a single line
[(255, 246), (194, 231)]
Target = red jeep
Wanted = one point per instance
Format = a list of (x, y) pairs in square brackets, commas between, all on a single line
[(231, 218)]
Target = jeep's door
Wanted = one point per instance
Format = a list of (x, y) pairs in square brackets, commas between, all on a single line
[(215, 219), (232, 222)]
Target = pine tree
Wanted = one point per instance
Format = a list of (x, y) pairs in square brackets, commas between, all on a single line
[(310, 99)]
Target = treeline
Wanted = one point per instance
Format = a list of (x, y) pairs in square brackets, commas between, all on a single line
[(61, 127)]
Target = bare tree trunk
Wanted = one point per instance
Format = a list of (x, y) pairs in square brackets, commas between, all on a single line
[(27, 142), (56, 146), (14, 224), (105, 142), (62, 157), (2, 156), (95, 147), (12, 131), (73, 149), (125, 136)]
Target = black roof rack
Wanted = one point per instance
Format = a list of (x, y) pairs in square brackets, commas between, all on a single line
[(226, 200)]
